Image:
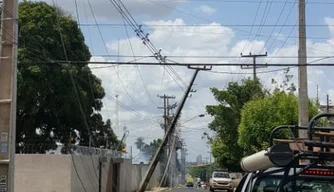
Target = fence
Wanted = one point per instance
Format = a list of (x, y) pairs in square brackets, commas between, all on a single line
[(75, 149)]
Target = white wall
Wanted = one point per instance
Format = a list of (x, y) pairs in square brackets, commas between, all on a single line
[(138, 173), (60, 173)]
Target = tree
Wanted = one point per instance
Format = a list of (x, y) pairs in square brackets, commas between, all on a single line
[(260, 116), (54, 101), (140, 144), (226, 115)]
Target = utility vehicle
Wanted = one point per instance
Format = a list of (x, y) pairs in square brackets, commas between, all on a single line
[(294, 164)]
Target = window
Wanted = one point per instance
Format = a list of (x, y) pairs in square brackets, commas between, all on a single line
[(305, 184), (221, 175)]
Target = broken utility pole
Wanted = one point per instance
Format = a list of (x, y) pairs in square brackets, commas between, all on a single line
[(254, 67), (169, 132)]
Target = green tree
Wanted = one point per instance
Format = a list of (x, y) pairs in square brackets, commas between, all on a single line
[(226, 115), (49, 95), (140, 144), (260, 116)]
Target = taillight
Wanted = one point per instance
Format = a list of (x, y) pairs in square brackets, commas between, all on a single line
[(318, 172)]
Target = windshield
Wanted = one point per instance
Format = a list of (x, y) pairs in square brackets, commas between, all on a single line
[(221, 175), (302, 185)]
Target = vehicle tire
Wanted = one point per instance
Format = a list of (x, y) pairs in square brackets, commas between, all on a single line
[(212, 190)]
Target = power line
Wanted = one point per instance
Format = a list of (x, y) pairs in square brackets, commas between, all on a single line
[(175, 64), (202, 25)]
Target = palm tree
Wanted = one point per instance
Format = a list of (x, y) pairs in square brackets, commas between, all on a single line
[(140, 143)]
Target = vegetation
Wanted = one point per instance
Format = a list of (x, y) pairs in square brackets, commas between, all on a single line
[(227, 117), (204, 172), (55, 101), (260, 116), (148, 149), (245, 115)]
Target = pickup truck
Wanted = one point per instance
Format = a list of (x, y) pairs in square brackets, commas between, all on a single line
[(294, 164), (221, 180)]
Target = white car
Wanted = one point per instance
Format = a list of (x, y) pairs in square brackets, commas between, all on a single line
[(221, 181)]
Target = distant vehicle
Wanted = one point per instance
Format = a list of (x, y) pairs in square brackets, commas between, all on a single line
[(221, 180), (190, 182), (293, 165)]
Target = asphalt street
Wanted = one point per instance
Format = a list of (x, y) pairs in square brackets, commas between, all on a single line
[(189, 190)]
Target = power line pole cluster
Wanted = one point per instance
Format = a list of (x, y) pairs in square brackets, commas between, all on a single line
[(8, 89), (254, 66), (170, 130), (167, 119)]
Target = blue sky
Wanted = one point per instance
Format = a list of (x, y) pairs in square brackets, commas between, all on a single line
[(139, 113)]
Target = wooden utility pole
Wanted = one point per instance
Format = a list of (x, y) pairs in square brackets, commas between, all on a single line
[(8, 86), (254, 67), (303, 118), (169, 132)]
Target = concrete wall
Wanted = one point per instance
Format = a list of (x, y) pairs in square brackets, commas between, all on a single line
[(65, 173), (138, 172)]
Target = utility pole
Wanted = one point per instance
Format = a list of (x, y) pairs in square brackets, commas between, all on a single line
[(328, 101), (254, 67), (166, 109), (169, 132), (8, 92), (167, 119), (302, 70), (183, 163)]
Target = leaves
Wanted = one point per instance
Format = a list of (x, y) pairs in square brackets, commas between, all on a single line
[(226, 115), (260, 116), (49, 96)]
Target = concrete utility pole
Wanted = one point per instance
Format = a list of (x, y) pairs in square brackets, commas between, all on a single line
[(302, 71), (8, 89), (167, 118), (169, 132), (328, 102), (166, 109), (254, 67), (183, 163)]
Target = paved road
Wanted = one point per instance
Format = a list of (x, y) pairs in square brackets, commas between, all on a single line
[(189, 190)]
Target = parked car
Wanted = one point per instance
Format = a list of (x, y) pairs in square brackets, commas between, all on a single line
[(221, 180)]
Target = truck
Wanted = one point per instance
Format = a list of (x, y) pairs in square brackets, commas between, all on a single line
[(293, 164), (221, 180)]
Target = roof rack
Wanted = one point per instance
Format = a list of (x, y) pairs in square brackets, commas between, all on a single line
[(315, 150)]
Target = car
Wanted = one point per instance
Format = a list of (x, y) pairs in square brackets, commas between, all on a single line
[(221, 180), (293, 165)]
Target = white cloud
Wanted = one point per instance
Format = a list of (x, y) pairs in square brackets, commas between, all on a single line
[(207, 9), (330, 22), (104, 9), (192, 41)]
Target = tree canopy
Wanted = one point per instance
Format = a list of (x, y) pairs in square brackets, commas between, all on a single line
[(55, 100), (260, 116), (226, 115)]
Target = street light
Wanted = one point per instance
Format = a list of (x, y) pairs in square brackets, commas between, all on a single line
[(200, 115)]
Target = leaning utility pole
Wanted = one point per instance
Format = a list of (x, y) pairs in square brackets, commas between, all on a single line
[(169, 132), (254, 67), (8, 89), (303, 118)]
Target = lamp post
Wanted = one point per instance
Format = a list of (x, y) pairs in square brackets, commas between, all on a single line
[(197, 116)]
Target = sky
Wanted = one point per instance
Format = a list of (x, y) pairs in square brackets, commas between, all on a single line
[(185, 31)]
